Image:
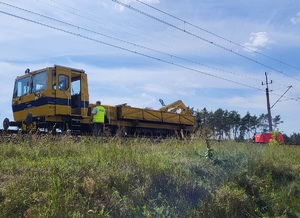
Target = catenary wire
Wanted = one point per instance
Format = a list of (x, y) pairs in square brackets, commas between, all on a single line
[(127, 30), (223, 38), (218, 36), (172, 56), (166, 54), (128, 50), (118, 26), (201, 38), (124, 41)]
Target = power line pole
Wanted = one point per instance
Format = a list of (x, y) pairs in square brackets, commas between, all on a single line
[(268, 102)]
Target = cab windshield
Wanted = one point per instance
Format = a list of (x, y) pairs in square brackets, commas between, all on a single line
[(30, 84)]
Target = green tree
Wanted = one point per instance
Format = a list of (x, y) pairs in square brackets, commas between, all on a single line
[(294, 139), (234, 119), (230, 123), (248, 125), (221, 126), (263, 123), (276, 121)]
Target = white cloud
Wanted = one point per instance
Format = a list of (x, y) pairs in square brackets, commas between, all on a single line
[(296, 18), (258, 40)]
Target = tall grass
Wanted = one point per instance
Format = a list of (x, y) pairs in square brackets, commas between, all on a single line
[(47, 176)]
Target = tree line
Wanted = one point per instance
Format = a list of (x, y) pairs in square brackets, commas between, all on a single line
[(224, 124)]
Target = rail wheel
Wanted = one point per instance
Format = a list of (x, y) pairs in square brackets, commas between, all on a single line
[(5, 124)]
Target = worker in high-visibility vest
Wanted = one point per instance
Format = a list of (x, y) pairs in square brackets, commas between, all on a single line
[(98, 118)]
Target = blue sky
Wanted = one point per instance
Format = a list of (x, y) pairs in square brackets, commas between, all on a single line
[(210, 53)]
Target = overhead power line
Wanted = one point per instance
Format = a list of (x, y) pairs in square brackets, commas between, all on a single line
[(170, 55), (128, 50), (95, 18), (289, 87), (74, 11), (201, 38), (218, 36), (124, 41)]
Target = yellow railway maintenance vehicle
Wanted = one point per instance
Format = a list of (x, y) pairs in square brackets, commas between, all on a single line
[(58, 98)]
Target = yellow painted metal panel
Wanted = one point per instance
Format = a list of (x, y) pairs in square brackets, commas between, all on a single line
[(132, 113), (152, 115), (171, 117), (187, 119), (44, 110)]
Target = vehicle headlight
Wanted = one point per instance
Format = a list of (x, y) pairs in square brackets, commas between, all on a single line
[(38, 95)]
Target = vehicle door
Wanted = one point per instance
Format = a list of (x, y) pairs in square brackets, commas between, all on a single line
[(62, 88)]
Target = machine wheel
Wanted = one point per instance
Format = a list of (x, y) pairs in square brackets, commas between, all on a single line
[(6, 123), (28, 119)]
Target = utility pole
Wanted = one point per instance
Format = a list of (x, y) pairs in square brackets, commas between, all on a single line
[(268, 102)]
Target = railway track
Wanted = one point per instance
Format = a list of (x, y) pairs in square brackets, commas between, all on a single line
[(10, 131), (16, 136)]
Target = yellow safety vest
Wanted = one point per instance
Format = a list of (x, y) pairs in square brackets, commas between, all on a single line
[(99, 116)]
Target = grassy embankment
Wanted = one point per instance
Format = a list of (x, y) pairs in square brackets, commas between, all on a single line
[(62, 177)]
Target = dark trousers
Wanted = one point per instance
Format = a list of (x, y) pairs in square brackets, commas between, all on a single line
[(97, 129)]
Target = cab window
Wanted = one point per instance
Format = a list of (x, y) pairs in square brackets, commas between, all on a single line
[(63, 82), (39, 81), (22, 87)]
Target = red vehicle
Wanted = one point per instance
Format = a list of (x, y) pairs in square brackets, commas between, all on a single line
[(265, 138)]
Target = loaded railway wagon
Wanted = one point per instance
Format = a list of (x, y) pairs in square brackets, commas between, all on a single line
[(57, 98)]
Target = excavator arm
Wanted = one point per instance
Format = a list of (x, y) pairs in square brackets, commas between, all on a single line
[(176, 107)]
